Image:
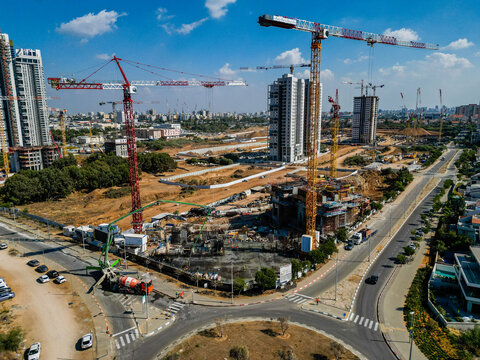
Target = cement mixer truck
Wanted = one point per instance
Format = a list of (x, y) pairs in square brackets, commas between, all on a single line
[(131, 285)]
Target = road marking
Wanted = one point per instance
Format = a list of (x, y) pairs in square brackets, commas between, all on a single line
[(371, 324), (117, 344), (121, 341), (356, 319), (136, 333), (127, 338), (361, 321), (124, 331), (376, 327), (351, 316)]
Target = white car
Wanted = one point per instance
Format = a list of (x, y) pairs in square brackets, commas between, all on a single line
[(87, 341), (43, 279), (34, 352), (3, 246), (60, 279), (3, 284)]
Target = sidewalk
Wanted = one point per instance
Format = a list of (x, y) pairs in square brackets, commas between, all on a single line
[(392, 303), (157, 319)]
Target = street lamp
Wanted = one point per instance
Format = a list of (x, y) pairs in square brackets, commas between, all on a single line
[(412, 325)]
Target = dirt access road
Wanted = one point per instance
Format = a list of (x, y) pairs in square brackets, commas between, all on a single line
[(48, 313)]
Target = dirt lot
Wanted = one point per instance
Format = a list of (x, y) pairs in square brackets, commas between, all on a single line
[(263, 340), (50, 313)]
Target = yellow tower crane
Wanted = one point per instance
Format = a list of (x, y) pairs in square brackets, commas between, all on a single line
[(335, 126), (320, 32)]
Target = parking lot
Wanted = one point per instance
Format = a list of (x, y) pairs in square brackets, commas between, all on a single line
[(49, 313)]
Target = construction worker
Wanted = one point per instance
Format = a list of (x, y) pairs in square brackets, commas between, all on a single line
[(318, 300)]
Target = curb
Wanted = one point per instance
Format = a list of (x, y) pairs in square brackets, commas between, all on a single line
[(325, 313), (171, 321)]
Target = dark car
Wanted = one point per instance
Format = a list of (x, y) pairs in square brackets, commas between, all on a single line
[(33, 263), (372, 279), (52, 274), (349, 245), (42, 269), (5, 290)]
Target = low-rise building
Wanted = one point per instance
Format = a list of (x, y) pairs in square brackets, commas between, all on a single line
[(117, 146), (467, 272)]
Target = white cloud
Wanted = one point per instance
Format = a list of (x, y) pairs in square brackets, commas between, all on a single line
[(448, 61), (227, 71), (403, 34), (184, 29), (104, 56), (218, 8), (477, 53), (162, 14), (290, 57), (353, 61), (91, 25), (459, 44), (395, 69)]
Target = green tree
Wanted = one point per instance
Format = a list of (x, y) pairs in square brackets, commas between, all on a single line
[(156, 162), (266, 278), (11, 340), (65, 161), (376, 205), (296, 267), (401, 259), (408, 250), (239, 285), (342, 234)]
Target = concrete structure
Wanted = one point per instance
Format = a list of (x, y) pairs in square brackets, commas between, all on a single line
[(9, 111), (288, 109), (30, 83), (471, 110), (148, 133), (117, 146), (33, 157), (170, 131), (365, 114), (467, 272)]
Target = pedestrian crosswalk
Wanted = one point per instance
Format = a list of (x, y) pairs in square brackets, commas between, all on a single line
[(298, 298), (175, 307), (363, 321), (126, 337), (126, 300)]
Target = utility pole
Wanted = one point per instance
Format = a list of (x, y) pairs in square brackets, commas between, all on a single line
[(83, 242), (336, 276), (369, 248), (412, 325), (232, 281)]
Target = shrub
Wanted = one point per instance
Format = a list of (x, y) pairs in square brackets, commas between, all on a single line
[(239, 352), (401, 259), (11, 340)]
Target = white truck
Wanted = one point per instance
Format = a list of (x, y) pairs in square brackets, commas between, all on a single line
[(356, 238)]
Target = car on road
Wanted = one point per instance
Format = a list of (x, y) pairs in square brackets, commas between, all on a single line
[(52, 274), (43, 279), (87, 341), (7, 296), (60, 279), (33, 263), (3, 246), (34, 351), (372, 279), (42, 269), (349, 245)]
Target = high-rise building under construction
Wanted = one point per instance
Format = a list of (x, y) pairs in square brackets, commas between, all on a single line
[(288, 111), (23, 107), (365, 113)]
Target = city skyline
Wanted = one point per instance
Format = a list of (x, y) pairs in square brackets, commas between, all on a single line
[(217, 37)]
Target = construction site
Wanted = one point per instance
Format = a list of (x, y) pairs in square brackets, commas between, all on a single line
[(215, 223)]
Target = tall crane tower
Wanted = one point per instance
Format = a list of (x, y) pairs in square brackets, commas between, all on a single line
[(335, 125), (61, 120), (407, 134), (320, 32), (129, 88)]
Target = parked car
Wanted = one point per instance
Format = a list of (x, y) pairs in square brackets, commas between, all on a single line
[(3, 284), (7, 296), (419, 232), (349, 245), (43, 279), (372, 279), (5, 290), (33, 263), (412, 245), (34, 351), (52, 274), (42, 269), (87, 341), (60, 279), (3, 246)]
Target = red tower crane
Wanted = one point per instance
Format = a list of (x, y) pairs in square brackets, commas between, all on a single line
[(129, 88), (321, 32)]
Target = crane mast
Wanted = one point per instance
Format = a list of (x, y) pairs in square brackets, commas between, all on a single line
[(335, 125), (319, 32), (441, 116)]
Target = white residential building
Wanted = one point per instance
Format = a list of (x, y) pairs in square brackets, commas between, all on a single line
[(365, 114), (30, 82)]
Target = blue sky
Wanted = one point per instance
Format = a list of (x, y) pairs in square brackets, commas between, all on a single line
[(217, 37)]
